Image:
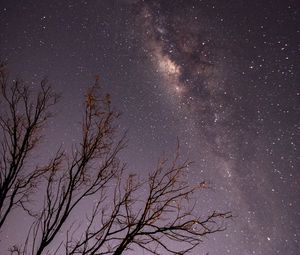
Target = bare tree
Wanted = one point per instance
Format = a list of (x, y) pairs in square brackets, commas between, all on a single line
[(75, 178), (156, 215), (23, 114), (123, 212)]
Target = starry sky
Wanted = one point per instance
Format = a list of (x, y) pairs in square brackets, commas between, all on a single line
[(222, 76)]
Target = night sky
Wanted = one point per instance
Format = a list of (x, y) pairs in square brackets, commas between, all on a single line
[(222, 76)]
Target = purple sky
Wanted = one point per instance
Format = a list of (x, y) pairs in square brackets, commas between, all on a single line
[(223, 76)]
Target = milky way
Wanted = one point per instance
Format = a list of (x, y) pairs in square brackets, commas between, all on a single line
[(222, 76), (191, 54), (191, 63)]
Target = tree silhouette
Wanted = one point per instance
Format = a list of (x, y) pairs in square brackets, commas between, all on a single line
[(23, 114), (123, 212)]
